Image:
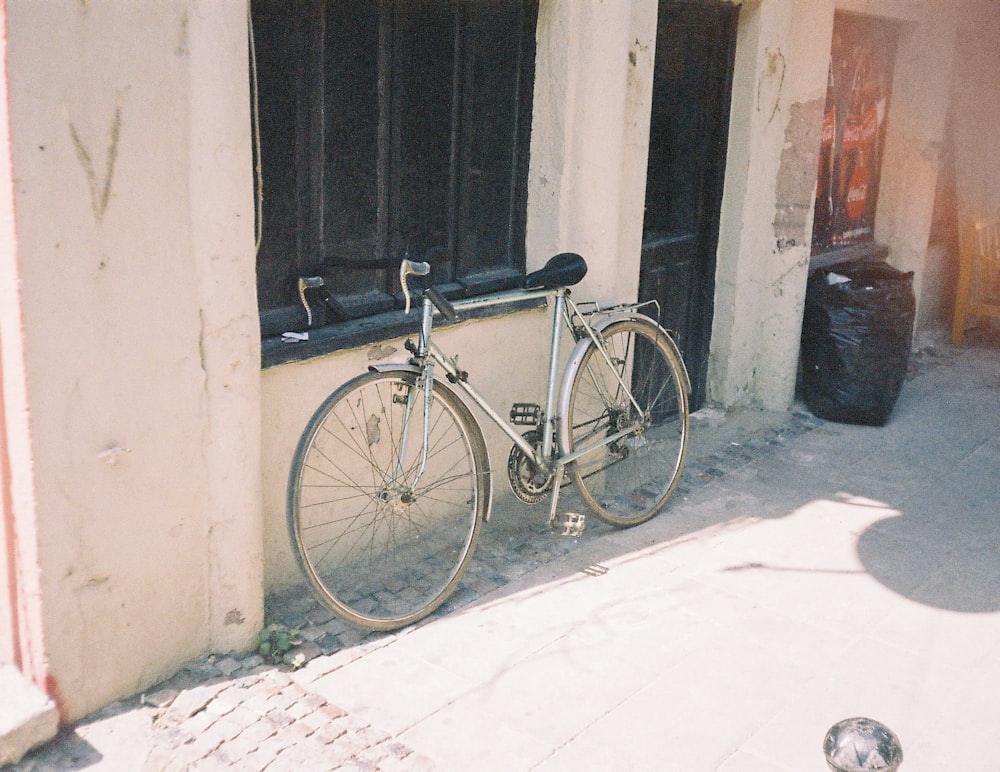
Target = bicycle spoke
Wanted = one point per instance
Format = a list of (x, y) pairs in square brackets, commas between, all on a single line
[(634, 458), (380, 546)]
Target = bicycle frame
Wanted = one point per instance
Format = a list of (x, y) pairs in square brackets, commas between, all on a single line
[(429, 352), (563, 312)]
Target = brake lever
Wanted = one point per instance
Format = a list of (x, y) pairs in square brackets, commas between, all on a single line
[(406, 268), (308, 282)]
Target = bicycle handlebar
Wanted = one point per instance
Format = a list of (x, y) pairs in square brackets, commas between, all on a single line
[(441, 304)]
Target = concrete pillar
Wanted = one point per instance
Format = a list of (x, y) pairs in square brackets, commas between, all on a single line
[(222, 202), (131, 354), (779, 87), (593, 87), (20, 608), (915, 135)]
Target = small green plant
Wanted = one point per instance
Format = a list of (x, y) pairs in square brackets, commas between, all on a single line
[(275, 643)]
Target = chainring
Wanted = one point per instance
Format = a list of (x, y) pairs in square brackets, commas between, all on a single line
[(527, 481)]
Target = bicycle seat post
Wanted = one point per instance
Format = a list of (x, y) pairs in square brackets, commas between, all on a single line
[(558, 312)]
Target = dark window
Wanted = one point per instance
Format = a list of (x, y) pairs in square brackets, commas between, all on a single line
[(389, 128)]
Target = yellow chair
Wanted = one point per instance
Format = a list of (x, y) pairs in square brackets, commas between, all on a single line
[(978, 290)]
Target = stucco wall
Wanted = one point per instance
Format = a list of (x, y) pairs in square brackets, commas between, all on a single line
[(975, 110), (915, 136), (11, 381), (134, 404), (766, 222), (974, 138), (138, 337)]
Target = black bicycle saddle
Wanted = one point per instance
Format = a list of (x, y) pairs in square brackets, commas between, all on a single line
[(562, 270)]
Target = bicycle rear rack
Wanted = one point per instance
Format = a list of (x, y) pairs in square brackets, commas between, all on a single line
[(591, 308)]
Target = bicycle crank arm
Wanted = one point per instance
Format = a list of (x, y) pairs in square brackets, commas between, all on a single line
[(564, 523)]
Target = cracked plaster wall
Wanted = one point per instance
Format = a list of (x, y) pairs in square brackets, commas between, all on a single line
[(134, 222), (779, 88), (138, 336), (766, 221)]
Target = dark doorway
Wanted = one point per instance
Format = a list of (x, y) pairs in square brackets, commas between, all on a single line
[(692, 81)]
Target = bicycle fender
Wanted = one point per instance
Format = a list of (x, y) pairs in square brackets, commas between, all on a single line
[(390, 367), (671, 343), (577, 354)]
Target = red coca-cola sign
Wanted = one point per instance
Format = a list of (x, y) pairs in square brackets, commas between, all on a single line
[(851, 139), (862, 54), (857, 193), (869, 127)]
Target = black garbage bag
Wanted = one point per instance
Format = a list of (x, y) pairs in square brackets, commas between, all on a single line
[(856, 333)]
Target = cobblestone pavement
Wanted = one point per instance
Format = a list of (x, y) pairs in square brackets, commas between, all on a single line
[(240, 712)]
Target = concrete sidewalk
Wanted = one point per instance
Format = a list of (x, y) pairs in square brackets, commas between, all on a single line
[(806, 572)]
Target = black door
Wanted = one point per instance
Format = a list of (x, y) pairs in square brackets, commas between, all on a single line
[(692, 80)]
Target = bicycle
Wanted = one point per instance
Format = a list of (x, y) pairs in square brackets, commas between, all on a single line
[(390, 483)]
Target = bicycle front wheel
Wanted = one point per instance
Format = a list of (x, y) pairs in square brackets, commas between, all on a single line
[(637, 394), (382, 533)]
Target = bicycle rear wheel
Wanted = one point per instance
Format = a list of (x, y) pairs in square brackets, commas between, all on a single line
[(382, 542), (626, 481)]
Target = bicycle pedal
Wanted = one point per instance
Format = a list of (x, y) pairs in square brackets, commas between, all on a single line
[(568, 523), (525, 414)]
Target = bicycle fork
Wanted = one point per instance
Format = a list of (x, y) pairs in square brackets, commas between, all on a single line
[(411, 399), (425, 379)]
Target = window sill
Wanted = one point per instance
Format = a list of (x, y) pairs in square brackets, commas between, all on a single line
[(372, 329), (868, 251)]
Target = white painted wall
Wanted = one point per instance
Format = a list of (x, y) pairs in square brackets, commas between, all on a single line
[(779, 86), (975, 110), (915, 136), (137, 342), (13, 412), (974, 138)]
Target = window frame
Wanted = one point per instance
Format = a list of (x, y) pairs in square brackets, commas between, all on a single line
[(464, 274)]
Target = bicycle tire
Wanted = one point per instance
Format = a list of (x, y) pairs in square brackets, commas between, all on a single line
[(377, 550), (626, 482)]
